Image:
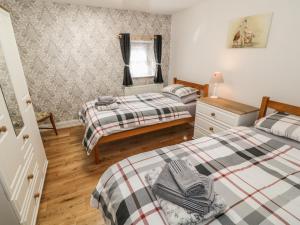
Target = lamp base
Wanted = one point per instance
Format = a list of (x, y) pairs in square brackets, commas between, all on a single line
[(214, 94)]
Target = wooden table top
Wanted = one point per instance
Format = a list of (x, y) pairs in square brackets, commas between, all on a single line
[(229, 105)]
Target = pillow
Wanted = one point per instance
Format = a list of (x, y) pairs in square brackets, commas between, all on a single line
[(184, 100), (179, 90), (281, 124)]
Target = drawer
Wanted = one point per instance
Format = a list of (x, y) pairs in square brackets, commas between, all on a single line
[(35, 200), (25, 181), (199, 133), (25, 148), (217, 114), (24, 139), (32, 201), (209, 126), (31, 208)]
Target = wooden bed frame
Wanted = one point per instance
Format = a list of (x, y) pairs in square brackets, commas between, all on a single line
[(278, 106), (203, 89)]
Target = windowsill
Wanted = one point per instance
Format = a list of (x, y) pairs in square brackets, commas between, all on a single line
[(142, 76)]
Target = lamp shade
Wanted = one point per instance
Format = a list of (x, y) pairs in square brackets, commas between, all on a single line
[(217, 78)]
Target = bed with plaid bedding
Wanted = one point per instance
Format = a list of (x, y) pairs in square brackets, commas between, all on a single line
[(134, 111), (258, 176)]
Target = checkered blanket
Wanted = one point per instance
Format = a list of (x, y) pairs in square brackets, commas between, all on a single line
[(133, 112), (281, 124), (257, 176)]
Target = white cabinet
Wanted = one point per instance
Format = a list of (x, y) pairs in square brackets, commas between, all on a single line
[(23, 161), (216, 115), (7, 214)]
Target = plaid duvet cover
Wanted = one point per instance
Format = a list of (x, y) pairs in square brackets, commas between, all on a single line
[(258, 177), (133, 112)]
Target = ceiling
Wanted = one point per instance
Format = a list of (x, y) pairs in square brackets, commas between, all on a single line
[(151, 6)]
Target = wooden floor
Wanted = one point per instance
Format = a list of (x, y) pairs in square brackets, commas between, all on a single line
[(72, 176)]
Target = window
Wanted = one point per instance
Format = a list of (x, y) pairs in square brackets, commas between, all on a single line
[(142, 61)]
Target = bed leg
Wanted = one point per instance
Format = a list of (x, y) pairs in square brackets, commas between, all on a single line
[(96, 152)]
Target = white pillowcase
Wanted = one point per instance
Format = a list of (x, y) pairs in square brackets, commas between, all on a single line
[(179, 90), (184, 100), (281, 124), (180, 93)]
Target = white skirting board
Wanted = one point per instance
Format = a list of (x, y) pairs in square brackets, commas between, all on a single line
[(63, 124)]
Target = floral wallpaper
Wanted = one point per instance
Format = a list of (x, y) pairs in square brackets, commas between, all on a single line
[(71, 54)]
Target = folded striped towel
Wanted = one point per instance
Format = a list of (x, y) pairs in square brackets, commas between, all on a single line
[(110, 107), (105, 100), (167, 188), (176, 215), (190, 181)]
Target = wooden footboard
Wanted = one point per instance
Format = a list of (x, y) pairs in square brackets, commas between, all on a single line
[(138, 131)]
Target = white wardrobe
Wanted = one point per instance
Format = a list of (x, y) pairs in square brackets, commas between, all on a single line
[(23, 162)]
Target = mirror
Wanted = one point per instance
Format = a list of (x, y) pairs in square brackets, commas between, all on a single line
[(9, 96)]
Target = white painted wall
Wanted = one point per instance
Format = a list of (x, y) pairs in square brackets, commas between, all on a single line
[(198, 48)]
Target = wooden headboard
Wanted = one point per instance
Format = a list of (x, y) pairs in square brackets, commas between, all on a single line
[(278, 106), (203, 88)]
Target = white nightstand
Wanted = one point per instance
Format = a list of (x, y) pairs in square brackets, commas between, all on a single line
[(216, 115)]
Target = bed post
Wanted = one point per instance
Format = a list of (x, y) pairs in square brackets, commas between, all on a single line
[(175, 80), (205, 90), (96, 154), (263, 107)]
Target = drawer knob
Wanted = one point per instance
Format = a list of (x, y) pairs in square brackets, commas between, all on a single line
[(30, 177), (28, 101), (3, 129), (36, 195), (25, 137), (211, 129), (213, 114)]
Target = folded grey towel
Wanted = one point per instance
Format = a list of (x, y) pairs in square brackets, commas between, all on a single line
[(110, 107), (167, 188), (190, 181), (178, 215), (105, 100)]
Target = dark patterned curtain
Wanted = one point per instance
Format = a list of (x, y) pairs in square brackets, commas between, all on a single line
[(158, 52), (125, 49)]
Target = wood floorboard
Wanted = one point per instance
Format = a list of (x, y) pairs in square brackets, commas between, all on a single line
[(72, 175)]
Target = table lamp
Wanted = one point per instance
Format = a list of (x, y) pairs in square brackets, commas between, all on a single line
[(215, 80)]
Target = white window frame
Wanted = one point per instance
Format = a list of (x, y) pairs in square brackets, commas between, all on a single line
[(147, 59)]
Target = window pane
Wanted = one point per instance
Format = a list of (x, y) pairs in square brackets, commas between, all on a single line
[(142, 59), (139, 54)]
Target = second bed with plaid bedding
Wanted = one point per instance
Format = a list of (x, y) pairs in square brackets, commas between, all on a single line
[(258, 176), (133, 112)]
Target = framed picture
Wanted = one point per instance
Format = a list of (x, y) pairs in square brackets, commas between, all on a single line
[(250, 31)]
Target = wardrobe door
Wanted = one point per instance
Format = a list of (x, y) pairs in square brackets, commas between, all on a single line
[(29, 135), (7, 214), (23, 139), (10, 160)]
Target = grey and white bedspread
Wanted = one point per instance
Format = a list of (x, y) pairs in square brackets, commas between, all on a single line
[(259, 178), (133, 112)]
